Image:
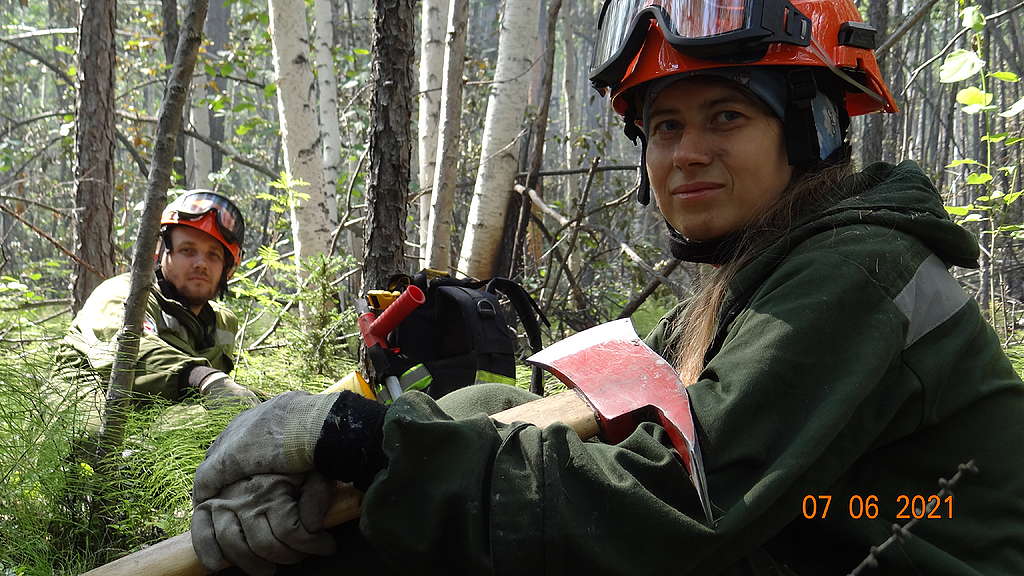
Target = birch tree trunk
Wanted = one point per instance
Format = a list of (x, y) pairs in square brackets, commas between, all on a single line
[(300, 130), (447, 159), (330, 131), (199, 156), (506, 106), (94, 147), (390, 140), (434, 15), (570, 115)]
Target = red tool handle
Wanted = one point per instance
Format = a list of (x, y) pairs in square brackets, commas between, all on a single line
[(396, 312)]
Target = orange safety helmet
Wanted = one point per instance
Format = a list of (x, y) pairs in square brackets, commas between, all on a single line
[(836, 40), (211, 213), (818, 54)]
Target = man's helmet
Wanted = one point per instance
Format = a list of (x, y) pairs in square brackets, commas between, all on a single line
[(820, 50), (211, 213)]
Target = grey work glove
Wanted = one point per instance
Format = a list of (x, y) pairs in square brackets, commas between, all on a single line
[(218, 389), (276, 437), (263, 521)]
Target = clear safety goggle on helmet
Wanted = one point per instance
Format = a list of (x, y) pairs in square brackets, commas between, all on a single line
[(722, 30), (195, 205)]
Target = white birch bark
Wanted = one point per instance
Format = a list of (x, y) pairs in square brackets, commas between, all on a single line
[(300, 130), (506, 106), (330, 131), (199, 156), (433, 18), (438, 245), (569, 106)]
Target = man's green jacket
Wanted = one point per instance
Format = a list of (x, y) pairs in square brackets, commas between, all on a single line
[(849, 366), (173, 340)]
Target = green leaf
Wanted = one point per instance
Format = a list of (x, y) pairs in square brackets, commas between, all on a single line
[(972, 218), (361, 51), (960, 65), (1011, 228), (956, 163), (1005, 76), (957, 210), (1014, 140), (64, 49), (1014, 109), (979, 178), (995, 137), (973, 18), (973, 95), (270, 91), (1012, 197)]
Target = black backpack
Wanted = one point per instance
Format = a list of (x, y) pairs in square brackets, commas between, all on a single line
[(459, 336)]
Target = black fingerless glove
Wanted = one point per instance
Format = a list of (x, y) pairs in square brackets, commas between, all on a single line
[(350, 445)]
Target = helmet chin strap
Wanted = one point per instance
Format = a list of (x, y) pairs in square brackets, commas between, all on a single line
[(636, 135)]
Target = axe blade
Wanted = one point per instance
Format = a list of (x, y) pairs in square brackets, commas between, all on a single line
[(625, 382)]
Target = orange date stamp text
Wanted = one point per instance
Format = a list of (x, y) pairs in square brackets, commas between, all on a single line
[(907, 506)]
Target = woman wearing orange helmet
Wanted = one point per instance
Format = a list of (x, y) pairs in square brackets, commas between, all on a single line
[(835, 370)]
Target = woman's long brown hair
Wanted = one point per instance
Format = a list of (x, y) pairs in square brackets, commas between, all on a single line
[(695, 328)]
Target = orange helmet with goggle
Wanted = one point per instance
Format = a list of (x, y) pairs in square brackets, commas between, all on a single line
[(808, 42), (211, 213)]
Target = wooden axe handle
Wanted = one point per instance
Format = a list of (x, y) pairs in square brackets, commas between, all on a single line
[(175, 556)]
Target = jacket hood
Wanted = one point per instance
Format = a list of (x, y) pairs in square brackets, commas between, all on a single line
[(900, 197)]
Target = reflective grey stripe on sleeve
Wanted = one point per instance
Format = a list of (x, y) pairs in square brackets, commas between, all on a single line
[(930, 298)]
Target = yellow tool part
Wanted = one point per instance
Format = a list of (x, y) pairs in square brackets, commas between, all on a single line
[(379, 300), (353, 382)]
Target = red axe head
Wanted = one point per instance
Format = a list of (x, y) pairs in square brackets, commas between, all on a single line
[(625, 383)]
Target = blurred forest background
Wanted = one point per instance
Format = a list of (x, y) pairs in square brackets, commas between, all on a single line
[(356, 150)]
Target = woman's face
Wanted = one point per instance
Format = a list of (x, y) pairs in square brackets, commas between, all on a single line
[(715, 156)]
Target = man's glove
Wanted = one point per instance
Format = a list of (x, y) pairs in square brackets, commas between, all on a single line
[(262, 521), (217, 388), (343, 431)]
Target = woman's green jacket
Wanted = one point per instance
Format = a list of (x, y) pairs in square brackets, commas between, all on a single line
[(849, 366)]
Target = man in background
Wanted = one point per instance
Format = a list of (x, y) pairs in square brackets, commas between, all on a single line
[(188, 341)]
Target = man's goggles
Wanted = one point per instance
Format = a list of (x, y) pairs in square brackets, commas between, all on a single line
[(229, 220), (722, 30)]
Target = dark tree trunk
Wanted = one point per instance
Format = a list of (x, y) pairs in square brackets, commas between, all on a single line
[(390, 140), (874, 127), (217, 19), (94, 147), (169, 14)]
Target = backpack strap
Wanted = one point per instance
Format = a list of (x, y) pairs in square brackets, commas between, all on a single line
[(529, 313)]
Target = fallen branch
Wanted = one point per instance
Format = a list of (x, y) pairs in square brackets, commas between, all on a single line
[(666, 269), (909, 23), (51, 240), (223, 149)]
